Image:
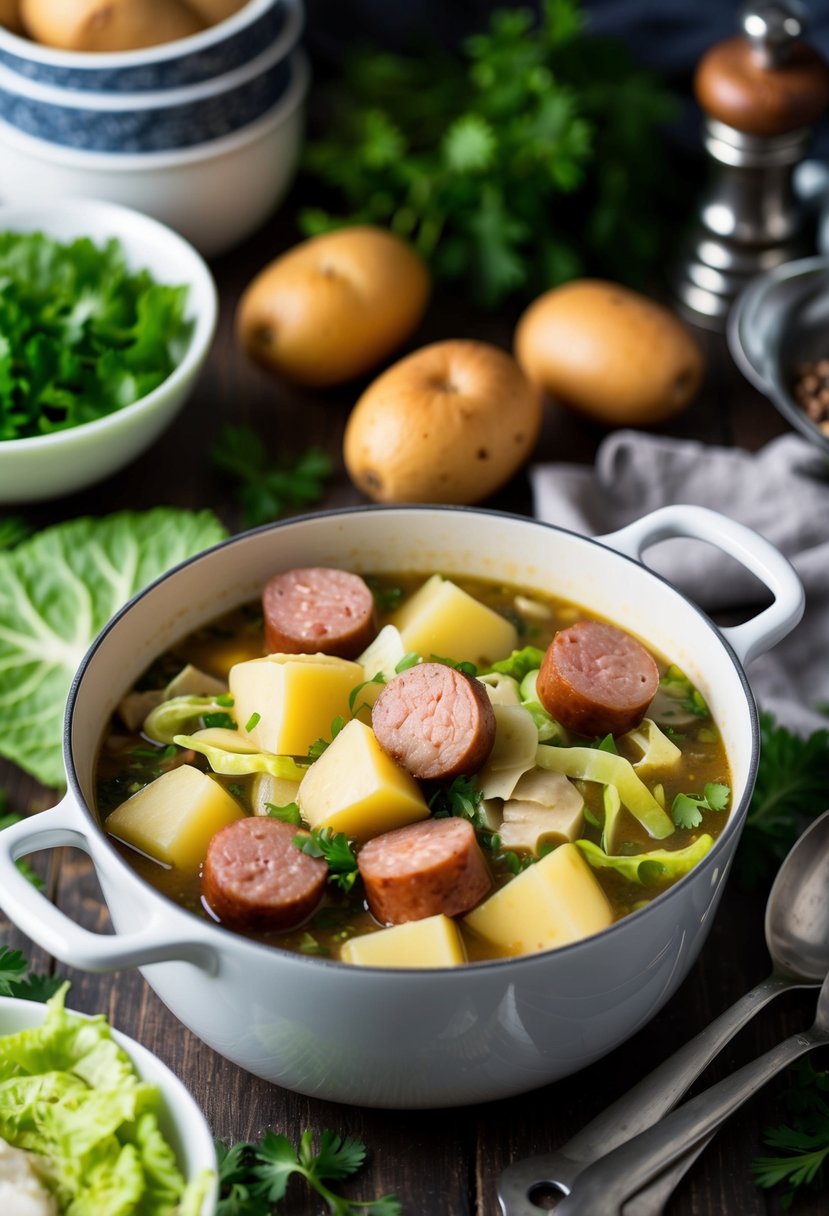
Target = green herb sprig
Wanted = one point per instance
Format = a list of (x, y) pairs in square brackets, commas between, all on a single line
[(802, 1138), (253, 1177), (337, 851), (17, 980), (265, 490), (686, 809), (534, 156)]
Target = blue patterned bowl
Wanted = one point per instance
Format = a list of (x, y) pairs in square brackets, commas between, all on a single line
[(214, 193), (159, 120), (171, 65)]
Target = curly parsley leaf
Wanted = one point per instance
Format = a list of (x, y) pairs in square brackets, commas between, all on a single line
[(17, 980), (461, 798), (289, 813), (686, 809), (319, 745), (265, 491), (335, 848), (803, 1138), (253, 1177), (790, 791)]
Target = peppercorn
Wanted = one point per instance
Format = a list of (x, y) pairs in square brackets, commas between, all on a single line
[(810, 390)]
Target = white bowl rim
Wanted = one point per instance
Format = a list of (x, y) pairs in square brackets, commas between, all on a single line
[(161, 99), (143, 162), (35, 52), (256, 948), (202, 1139), (204, 321)]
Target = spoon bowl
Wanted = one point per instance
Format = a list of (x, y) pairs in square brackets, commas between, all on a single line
[(797, 938)]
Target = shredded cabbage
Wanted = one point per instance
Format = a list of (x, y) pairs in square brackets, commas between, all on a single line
[(169, 718), (593, 764), (240, 763), (650, 867)]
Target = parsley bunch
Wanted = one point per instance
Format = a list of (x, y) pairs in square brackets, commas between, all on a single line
[(253, 1177), (532, 157), (792, 789)]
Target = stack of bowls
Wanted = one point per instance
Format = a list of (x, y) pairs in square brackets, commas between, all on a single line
[(202, 133)]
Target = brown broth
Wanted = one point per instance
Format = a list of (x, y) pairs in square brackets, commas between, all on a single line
[(128, 761)]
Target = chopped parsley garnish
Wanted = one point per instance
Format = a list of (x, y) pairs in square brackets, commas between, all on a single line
[(289, 813), (335, 848), (83, 335), (253, 721), (222, 721), (686, 809), (318, 746)]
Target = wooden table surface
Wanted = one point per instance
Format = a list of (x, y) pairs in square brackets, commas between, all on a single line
[(439, 1163)]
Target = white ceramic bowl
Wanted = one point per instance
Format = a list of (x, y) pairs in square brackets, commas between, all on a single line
[(170, 65), (186, 188), (46, 466), (121, 121), (396, 1037), (182, 1123)]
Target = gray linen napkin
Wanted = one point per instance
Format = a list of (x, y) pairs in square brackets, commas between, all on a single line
[(782, 492)]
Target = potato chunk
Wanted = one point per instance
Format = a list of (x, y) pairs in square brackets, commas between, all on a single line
[(555, 901), (173, 818), (432, 942), (356, 788), (442, 619), (296, 696)]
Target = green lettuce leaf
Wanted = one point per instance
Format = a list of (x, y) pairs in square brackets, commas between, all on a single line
[(57, 590), (69, 1093)]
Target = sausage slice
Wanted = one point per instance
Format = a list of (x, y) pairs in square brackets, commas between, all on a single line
[(596, 679), (254, 876), (435, 721), (318, 610), (422, 870)]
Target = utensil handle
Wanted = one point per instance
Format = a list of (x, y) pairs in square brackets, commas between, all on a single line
[(752, 637), (49, 927), (636, 1110), (605, 1185)]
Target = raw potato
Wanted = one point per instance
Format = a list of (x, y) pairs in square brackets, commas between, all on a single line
[(333, 307), (609, 352), (10, 16), (214, 11), (108, 25), (450, 423)]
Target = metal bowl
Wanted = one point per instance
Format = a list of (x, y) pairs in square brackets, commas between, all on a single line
[(778, 322)]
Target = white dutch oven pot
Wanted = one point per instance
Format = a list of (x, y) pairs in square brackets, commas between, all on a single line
[(396, 1037)]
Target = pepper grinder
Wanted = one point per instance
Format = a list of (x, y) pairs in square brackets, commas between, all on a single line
[(761, 92)]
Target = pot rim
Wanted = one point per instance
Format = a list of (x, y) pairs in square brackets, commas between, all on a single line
[(734, 823)]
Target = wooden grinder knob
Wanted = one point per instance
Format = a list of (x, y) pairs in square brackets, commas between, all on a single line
[(766, 81)]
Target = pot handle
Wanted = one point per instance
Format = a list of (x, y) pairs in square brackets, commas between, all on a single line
[(49, 927), (761, 632)]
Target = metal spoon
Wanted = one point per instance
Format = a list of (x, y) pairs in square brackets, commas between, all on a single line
[(606, 1184), (797, 937)]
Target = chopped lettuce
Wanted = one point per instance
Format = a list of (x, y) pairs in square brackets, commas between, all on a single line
[(57, 590), (70, 1094), (645, 868)]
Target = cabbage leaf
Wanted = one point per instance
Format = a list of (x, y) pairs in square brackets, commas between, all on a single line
[(659, 865), (57, 590)]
